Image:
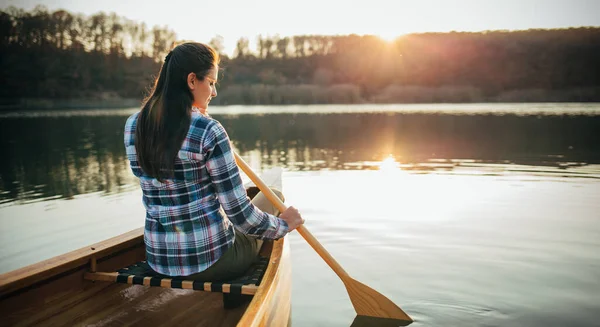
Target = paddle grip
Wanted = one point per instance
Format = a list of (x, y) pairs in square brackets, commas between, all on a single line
[(312, 241)]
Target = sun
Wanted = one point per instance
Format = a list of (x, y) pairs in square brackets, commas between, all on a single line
[(389, 37)]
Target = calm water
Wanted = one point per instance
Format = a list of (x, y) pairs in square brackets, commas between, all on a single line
[(464, 215)]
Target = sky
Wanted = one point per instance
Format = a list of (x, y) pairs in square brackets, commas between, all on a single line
[(200, 20)]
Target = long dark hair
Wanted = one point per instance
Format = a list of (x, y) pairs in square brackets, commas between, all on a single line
[(166, 113)]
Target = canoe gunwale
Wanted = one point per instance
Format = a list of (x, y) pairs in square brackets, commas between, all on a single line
[(274, 291), (53, 268)]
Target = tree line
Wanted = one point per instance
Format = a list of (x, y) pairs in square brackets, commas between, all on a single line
[(61, 55)]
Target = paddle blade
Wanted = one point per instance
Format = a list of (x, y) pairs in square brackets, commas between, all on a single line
[(369, 302), (364, 321)]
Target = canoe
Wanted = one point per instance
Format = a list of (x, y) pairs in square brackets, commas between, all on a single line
[(56, 292)]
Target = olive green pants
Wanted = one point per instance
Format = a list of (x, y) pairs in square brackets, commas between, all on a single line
[(244, 251)]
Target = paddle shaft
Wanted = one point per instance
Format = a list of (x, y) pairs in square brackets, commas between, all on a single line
[(314, 243)]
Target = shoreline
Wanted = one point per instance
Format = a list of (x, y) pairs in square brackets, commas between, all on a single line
[(90, 104), (75, 103)]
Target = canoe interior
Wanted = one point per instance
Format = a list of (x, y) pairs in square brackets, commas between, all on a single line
[(55, 293), (67, 299)]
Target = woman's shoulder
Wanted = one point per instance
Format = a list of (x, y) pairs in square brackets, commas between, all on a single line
[(203, 123), (131, 120)]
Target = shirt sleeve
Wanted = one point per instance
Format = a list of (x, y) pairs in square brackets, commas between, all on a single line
[(225, 176), (130, 126)]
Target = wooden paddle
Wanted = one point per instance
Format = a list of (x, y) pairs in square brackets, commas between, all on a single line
[(366, 301)]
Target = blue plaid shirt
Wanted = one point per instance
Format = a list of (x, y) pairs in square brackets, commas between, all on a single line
[(186, 231)]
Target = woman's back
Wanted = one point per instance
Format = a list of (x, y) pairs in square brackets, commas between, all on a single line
[(190, 181), (185, 230)]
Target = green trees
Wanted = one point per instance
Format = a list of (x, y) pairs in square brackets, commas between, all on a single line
[(63, 55), (60, 55)]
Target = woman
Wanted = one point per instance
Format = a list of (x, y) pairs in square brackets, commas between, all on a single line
[(188, 176)]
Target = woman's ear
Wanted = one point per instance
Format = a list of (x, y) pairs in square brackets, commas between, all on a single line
[(191, 81)]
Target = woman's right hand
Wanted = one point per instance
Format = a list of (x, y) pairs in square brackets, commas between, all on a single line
[(292, 217)]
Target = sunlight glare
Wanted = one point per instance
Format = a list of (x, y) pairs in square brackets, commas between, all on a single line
[(389, 164), (389, 36)]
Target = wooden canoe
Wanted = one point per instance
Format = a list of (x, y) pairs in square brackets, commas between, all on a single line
[(54, 292)]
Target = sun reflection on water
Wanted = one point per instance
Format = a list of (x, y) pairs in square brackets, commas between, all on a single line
[(389, 164)]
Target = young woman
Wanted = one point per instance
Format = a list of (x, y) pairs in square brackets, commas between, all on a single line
[(199, 221)]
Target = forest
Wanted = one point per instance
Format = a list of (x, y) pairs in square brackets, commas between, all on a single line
[(58, 57)]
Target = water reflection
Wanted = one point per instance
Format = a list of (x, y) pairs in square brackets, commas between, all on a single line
[(61, 156), (45, 157), (340, 139)]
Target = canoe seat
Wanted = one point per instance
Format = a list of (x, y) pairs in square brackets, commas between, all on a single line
[(141, 274)]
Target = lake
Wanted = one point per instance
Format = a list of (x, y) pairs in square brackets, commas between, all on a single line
[(464, 215)]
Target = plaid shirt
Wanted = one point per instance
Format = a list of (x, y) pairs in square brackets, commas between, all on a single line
[(186, 231)]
